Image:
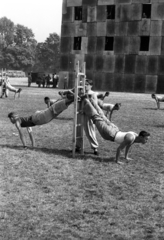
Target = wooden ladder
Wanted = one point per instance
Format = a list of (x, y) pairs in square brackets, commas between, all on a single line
[(78, 128)]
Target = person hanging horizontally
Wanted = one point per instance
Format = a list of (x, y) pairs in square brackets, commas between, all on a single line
[(38, 118), (110, 131)]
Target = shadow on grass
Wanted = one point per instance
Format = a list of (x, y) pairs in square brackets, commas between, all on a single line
[(64, 118), (150, 108), (26, 86), (66, 153), (159, 126), (87, 156)]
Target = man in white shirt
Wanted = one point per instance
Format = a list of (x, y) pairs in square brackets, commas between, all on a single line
[(111, 132)]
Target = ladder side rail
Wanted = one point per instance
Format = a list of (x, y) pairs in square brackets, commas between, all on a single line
[(75, 109), (81, 106)]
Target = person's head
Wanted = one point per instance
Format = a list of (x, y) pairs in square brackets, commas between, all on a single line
[(13, 116), (46, 100), (117, 106), (107, 94), (88, 84), (143, 137), (153, 95)]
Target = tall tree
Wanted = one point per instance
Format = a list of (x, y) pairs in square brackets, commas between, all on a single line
[(47, 54), (17, 45), (6, 32)]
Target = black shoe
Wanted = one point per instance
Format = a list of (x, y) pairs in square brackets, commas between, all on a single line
[(77, 149), (96, 152), (19, 90)]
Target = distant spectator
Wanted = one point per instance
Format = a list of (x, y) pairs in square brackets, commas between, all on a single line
[(29, 79), (144, 15), (48, 78), (57, 81), (65, 82), (44, 80)]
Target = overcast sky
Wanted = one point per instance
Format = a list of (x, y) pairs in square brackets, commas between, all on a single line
[(41, 16)]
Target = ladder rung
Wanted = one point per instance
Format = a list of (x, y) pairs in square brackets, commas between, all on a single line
[(81, 74), (78, 125), (79, 137)]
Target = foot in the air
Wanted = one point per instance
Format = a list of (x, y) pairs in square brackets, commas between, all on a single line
[(96, 152), (19, 90)]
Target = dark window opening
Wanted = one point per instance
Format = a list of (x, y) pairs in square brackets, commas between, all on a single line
[(77, 43), (109, 41), (144, 44), (146, 11), (110, 12), (78, 13)]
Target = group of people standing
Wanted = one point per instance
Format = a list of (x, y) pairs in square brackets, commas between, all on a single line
[(44, 79)]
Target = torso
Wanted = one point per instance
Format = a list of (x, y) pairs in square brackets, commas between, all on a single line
[(119, 138), (108, 106)]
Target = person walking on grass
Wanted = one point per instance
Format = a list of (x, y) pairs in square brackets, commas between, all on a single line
[(111, 132), (38, 118)]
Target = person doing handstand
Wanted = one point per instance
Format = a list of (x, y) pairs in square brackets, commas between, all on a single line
[(111, 132), (38, 118), (158, 99)]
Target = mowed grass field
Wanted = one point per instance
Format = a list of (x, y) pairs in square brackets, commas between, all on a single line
[(45, 194)]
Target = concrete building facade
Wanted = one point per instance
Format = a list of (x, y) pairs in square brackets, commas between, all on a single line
[(121, 41)]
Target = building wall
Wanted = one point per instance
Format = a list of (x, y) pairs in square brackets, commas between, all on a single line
[(126, 67)]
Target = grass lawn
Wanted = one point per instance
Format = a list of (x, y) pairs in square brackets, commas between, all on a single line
[(45, 194)]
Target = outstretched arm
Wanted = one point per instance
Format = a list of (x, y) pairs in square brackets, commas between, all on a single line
[(17, 124), (128, 141), (48, 104), (119, 149), (29, 130), (127, 151), (110, 115)]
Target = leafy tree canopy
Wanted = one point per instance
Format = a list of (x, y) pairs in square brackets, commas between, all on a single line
[(48, 54), (20, 51)]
